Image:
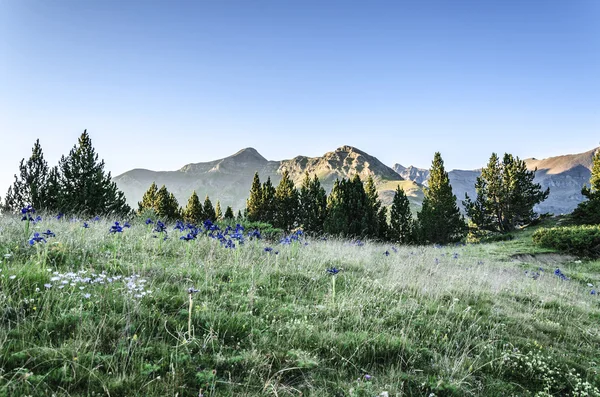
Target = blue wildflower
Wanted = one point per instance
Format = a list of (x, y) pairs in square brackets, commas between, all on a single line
[(179, 225), (37, 219), (333, 271), (254, 234), (593, 292), (190, 236), (268, 249), (560, 274), (192, 290), (149, 221), (455, 256), (394, 249), (160, 227), (96, 219), (48, 233), (85, 225), (116, 228), (27, 210), (386, 253), (59, 216), (127, 225), (36, 239)]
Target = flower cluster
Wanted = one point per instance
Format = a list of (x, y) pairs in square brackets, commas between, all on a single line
[(27, 213), (560, 274), (135, 286)]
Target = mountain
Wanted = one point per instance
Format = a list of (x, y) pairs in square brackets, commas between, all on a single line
[(229, 179), (564, 175)]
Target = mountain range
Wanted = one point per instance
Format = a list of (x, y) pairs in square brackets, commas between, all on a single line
[(228, 180)]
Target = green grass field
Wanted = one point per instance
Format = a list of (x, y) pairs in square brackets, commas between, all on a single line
[(91, 313)]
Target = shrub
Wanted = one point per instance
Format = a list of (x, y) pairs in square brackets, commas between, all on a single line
[(577, 240)]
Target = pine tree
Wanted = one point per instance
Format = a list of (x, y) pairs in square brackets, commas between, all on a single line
[(228, 213), (372, 209), (588, 211), (175, 209), (383, 228), (336, 222), (286, 203), (254, 204), (347, 209), (506, 195), (209, 211), (148, 199), (268, 205), (163, 205), (85, 188), (30, 187), (193, 212), (218, 212), (401, 221), (313, 205), (440, 220)]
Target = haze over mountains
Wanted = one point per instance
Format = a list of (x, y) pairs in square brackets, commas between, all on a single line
[(229, 179)]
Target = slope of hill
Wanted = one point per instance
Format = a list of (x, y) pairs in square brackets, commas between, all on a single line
[(229, 179), (564, 175)]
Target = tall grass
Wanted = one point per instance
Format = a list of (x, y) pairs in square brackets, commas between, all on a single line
[(459, 320)]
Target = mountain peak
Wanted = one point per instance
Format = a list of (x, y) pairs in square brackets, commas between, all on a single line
[(349, 149), (248, 154)]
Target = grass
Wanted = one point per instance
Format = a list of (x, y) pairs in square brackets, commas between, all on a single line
[(449, 321)]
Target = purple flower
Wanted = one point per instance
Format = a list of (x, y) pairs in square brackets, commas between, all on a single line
[(36, 239), (333, 271)]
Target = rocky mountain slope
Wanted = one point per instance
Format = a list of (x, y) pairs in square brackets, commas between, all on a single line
[(564, 175), (229, 179)]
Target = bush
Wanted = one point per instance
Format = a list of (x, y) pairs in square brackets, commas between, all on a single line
[(577, 240)]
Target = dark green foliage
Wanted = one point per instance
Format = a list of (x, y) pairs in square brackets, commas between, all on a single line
[(313, 205), (268, 204), (166, 205), (506, 195), (588, 212), (254, 204), (228, 213), (31, 186), (375, 220), (401, 220), (148, 199), (440, 220), (209, 210), (84, 187), (383, 228), (347, 209), (577, 240), (193, 212), (286, 203)]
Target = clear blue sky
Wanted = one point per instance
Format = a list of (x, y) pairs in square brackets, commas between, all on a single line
[(159, 84)]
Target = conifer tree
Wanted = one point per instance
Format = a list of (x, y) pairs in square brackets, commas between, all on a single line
[(286, 203), (372, 209), (254, 204), (85, 188), (30, 186), (268, 205), (383, 228), (166, 205), (313, 205), (148, 199), (506, 195), (588, 211), (228, 213), (174, 207), (336, 222), (218, 212), (239, 216), (401, 221), (440, 220), (209, 210), (53, 190), (346, 209), (193, 212)]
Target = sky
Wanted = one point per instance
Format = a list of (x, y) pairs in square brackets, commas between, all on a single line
[(160, 84)]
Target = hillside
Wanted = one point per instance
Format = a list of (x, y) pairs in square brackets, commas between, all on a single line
[(229, 179), (564, 175)]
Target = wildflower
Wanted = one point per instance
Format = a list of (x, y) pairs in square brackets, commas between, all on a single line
[(116, 228), (593, 292), (36, 239), (560, 274), (38, 219), (179, 226), (254, 234), (386, 253), (394, 249), (96, 219), (48, 233), (12, 277), (85, 225), (127, 225), (59, 216), (27, 210), (149, 221), (192, 290), (87, 296), (48, 286), (333, 271), (368, 377), (455, 256), (160, 227), (268, 249), (190, 236)]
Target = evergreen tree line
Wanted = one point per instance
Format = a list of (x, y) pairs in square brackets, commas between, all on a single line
[(77, 185), (505, 198), (164, 205)]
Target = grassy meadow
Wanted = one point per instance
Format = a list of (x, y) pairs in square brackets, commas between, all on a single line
[(93, 313)]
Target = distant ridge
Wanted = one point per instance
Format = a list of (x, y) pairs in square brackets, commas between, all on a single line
[(565, 176), (229, 179)]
